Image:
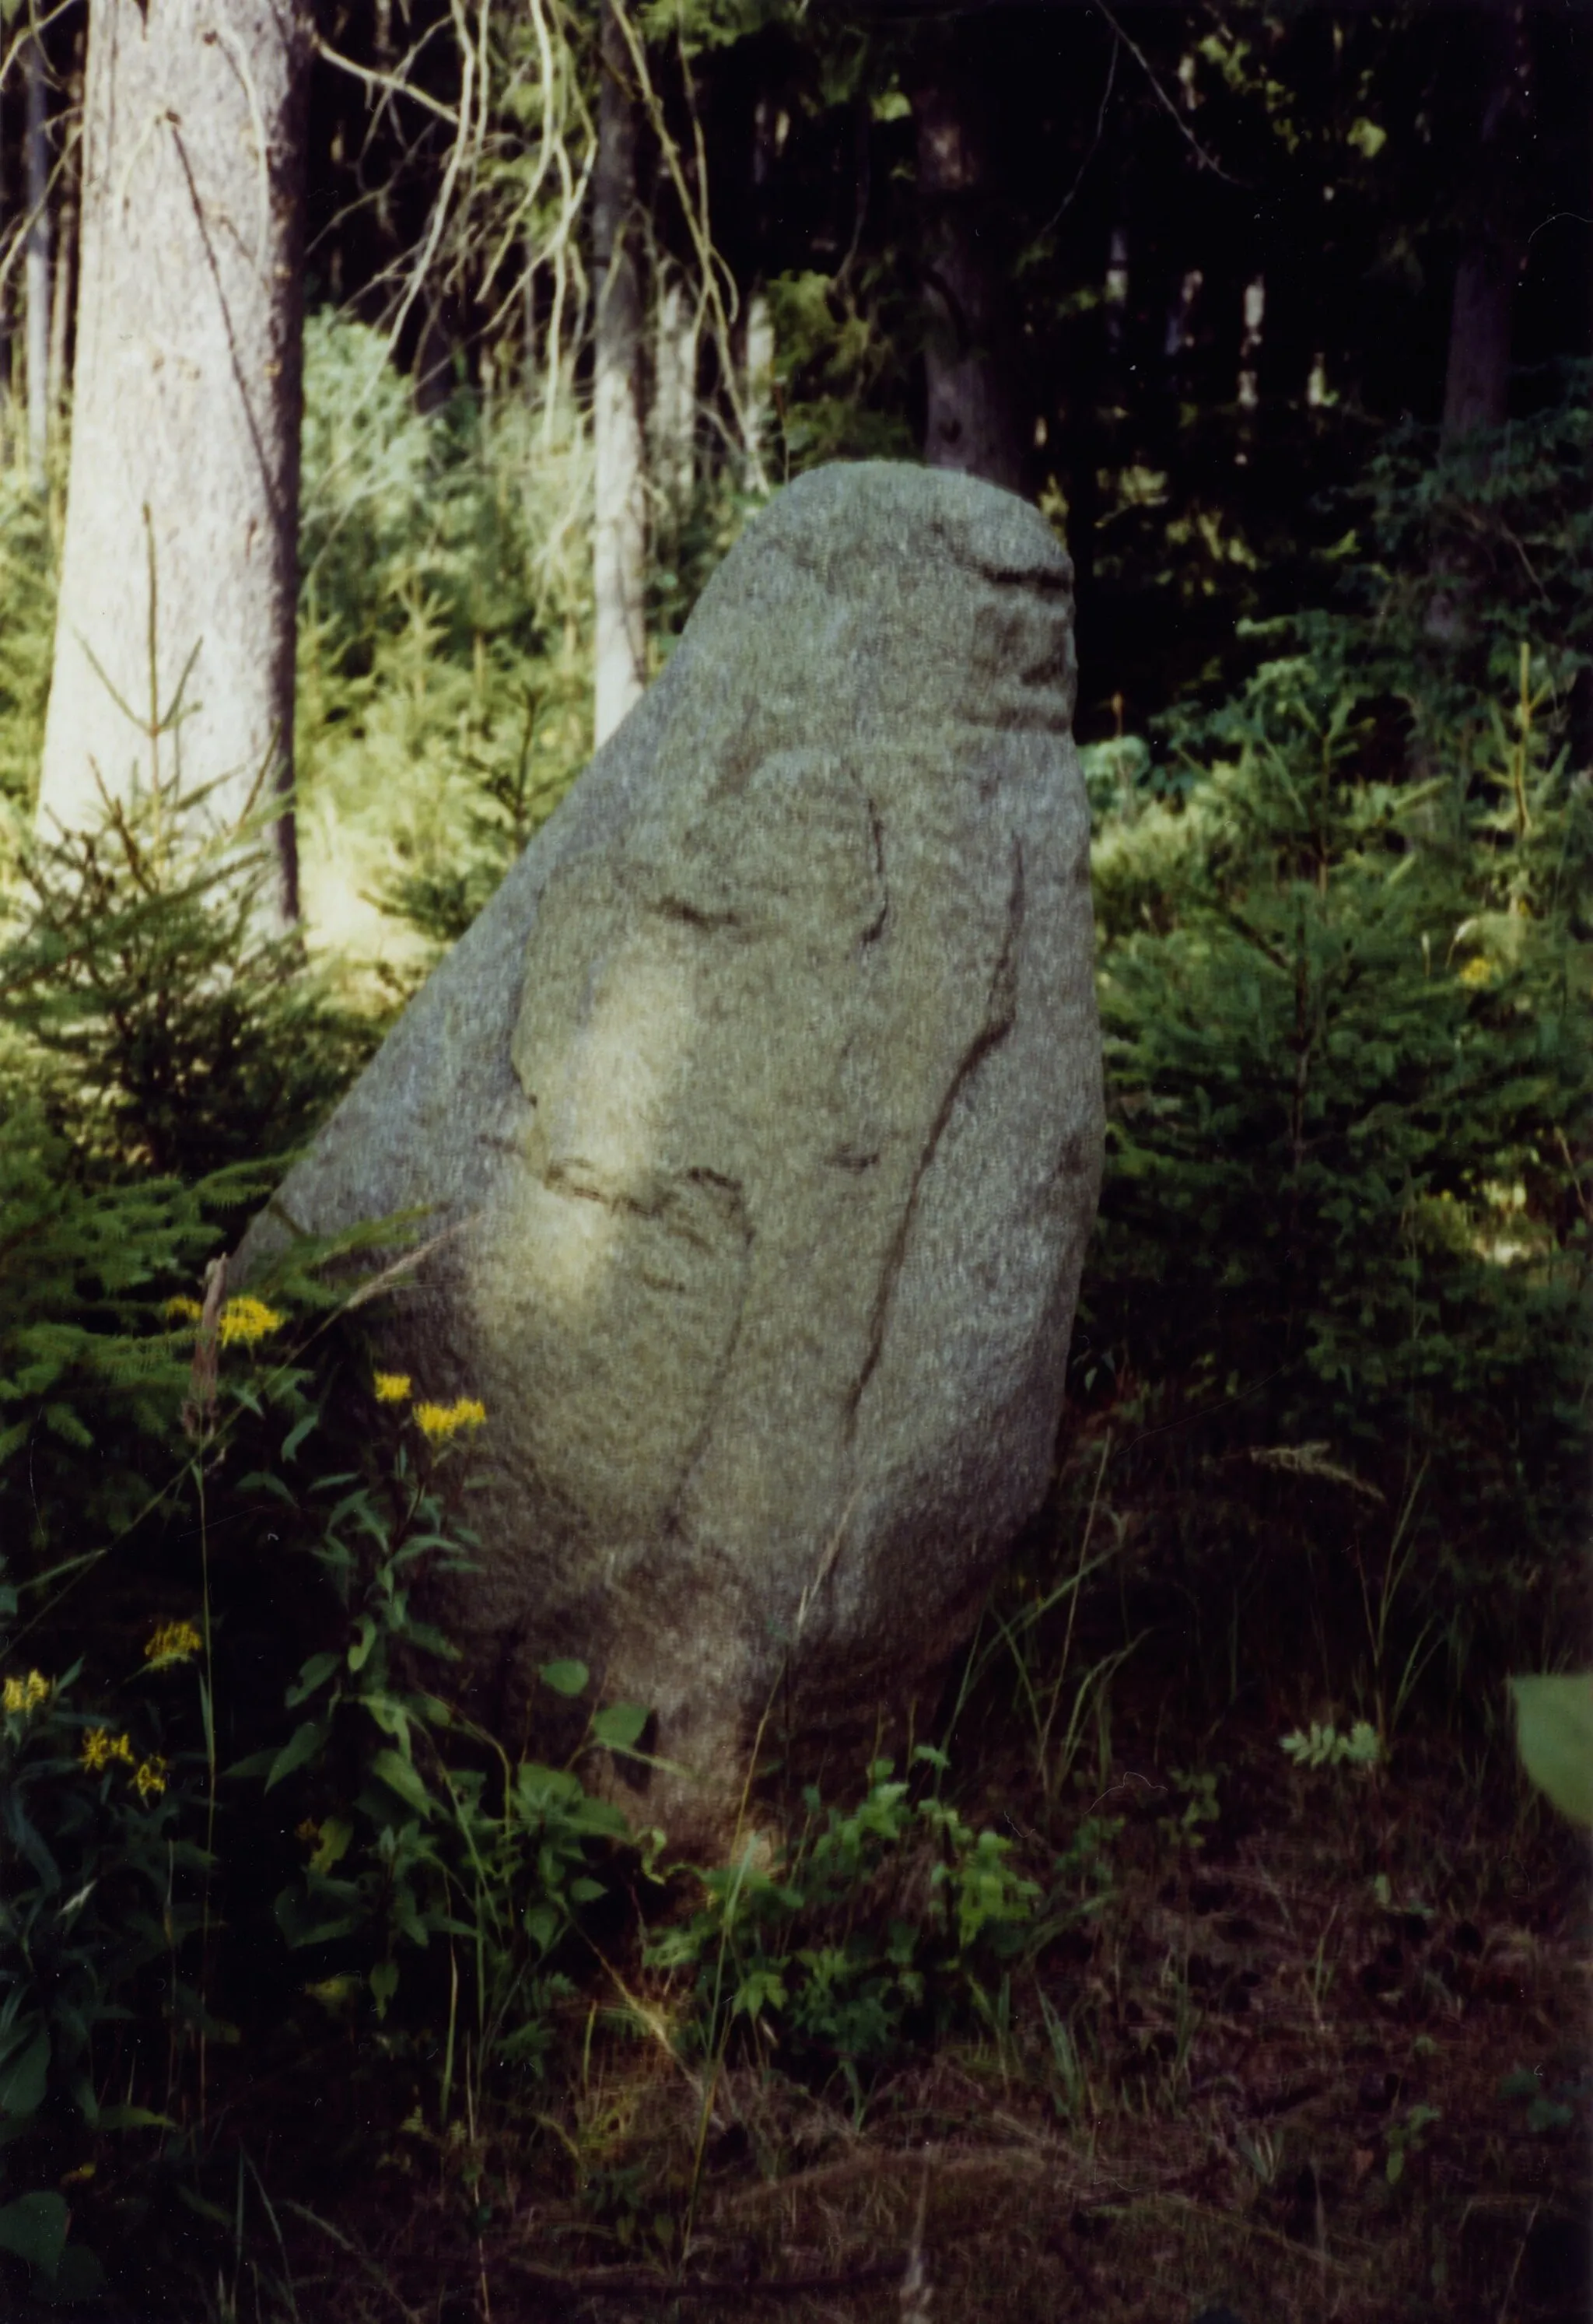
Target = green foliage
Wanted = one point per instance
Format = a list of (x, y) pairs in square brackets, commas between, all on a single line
[(1345, 1225), (98, 1875), (1470, 551), (159, 1052), (1554, 1733), (1407, 2138), (443, 690), (91, 1370), (419, 1825), (167, 1030), (1324, 1746), (27, 626), (841, 359), (1547, 2112), (883, 1919)]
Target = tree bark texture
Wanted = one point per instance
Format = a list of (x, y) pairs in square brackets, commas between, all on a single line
[(674, 396), (178, 573), (620, 529), (36, 264), (1476, 374), (973, 414), (61, 295)]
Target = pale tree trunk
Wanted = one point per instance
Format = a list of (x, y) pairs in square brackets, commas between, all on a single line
[(620, 530), (179, 566), (1180, 332), (1247, 388), (1254, 323), (973, 417), (674, 396), (758, 390), (4, 312), (36, 167)]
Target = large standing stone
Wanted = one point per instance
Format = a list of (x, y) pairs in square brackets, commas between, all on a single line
[(765, 1100)]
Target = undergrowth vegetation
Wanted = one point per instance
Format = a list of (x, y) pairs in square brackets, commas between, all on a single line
[(282, 1930)]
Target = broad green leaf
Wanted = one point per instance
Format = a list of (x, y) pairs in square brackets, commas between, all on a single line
[(388, 1715), (359, 1652), (565, 1678), (1554, 1733), (78, 2276), (400, 1775), (600, 1820), (133, 2118), (541, 1925), (383, 1983), (22, 2082), (333, 1845), (36, 2229), (620, 1726), (295, 1918), (315, 1673), (541, 1791), (297, 1435), (301, 1745)]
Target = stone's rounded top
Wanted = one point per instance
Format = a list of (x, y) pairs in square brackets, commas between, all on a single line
[(898, 509), (873, 599)]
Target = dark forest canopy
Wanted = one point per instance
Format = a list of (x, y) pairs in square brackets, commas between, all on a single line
[(1332, 166)]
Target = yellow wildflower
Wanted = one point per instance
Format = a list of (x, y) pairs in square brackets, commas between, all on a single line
[(100, 1747), (248, 1319), (309, 1831), (150, 1778), (184, 1311), (172, 1642), (1477, 971), (392, 1387), (24, 1694), (439, 1421)]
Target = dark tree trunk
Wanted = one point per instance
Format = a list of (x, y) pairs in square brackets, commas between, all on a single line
[(1476, 371), (61, 305), (974, 411), (1116, 309), (1477, 374), (182, 502), (620, 528)]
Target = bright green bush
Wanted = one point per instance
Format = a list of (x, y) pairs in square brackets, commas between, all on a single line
[(1343, 1257), (444, 694), (161, 1056), (27, 640), (885, 1917)]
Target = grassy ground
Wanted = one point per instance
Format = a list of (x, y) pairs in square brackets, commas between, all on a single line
[(1295, 2045)]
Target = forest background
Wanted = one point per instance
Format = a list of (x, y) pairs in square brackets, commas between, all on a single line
[(1212, 1953)]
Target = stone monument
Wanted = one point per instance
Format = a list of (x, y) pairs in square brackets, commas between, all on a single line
[(759, 1119)]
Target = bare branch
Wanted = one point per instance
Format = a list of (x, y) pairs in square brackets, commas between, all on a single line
[(1207, 161)]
